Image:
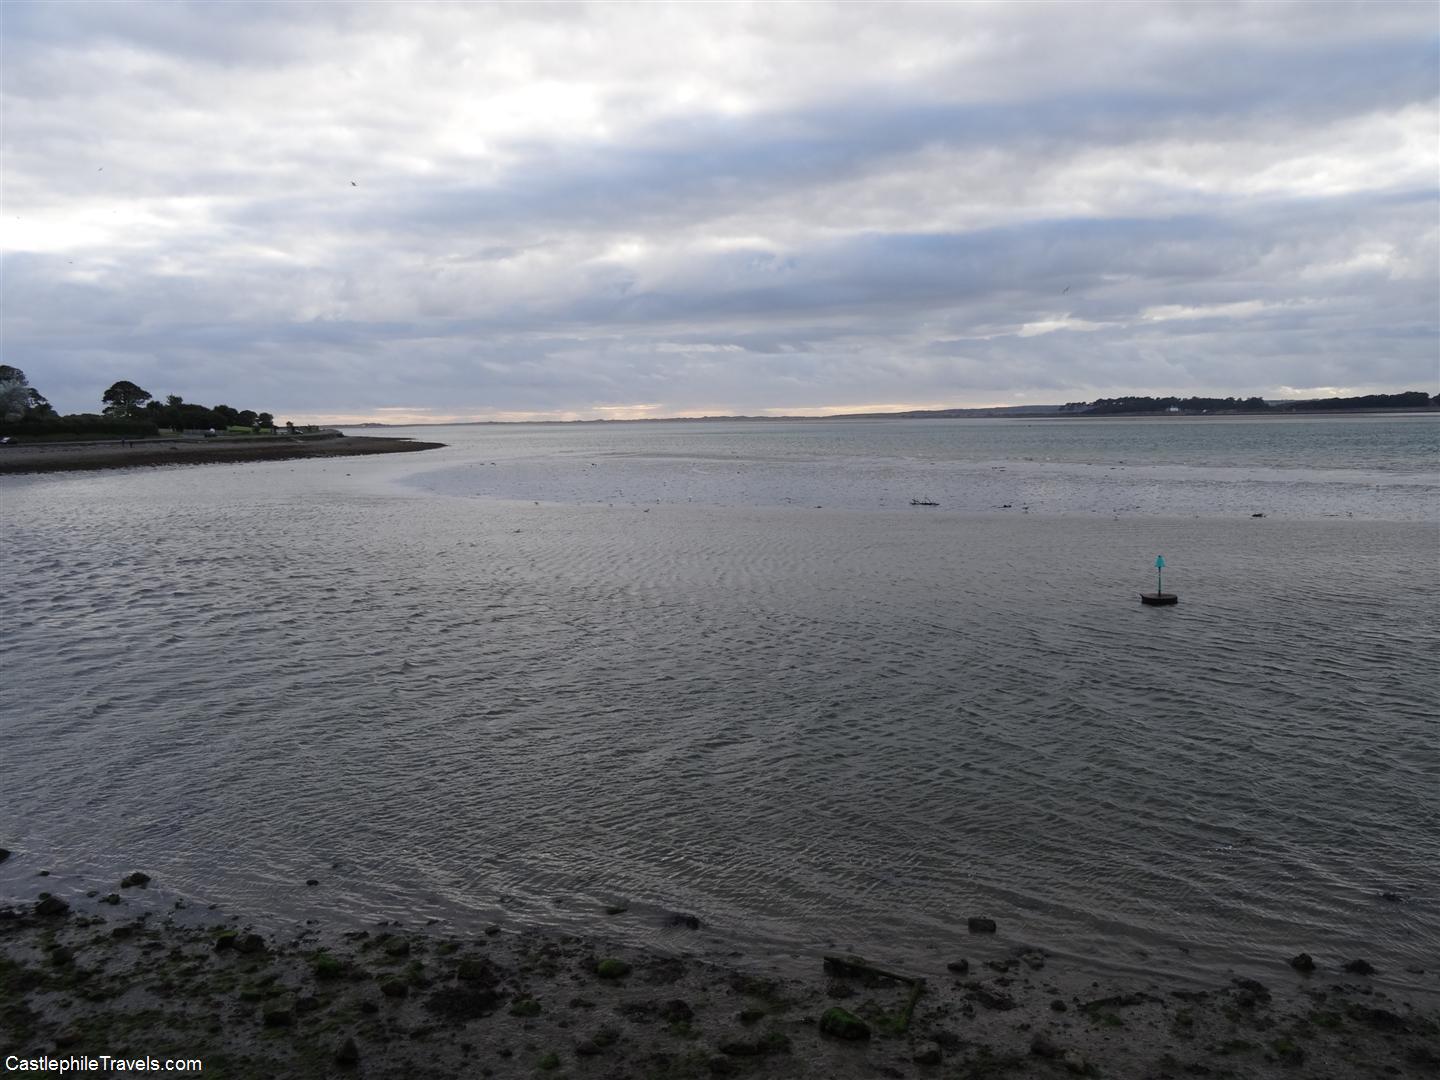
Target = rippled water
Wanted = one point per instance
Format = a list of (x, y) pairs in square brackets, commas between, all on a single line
[(585, 674)]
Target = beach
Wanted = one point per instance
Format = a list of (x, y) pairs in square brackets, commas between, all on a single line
[(129, 971), (38, 457)]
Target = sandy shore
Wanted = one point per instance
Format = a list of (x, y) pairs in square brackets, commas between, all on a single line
[(65, 457), (119, 973)]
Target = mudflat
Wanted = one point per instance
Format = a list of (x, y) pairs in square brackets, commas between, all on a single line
[(126, 454), (392, 1002)]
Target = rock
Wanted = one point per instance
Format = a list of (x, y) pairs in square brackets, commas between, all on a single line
[(959, 967), (932, 1056), (1056, 1005), (461, 1003), (122, 932), (4, 854), (680, 919), (606, 1036), (1249, 993), (1041, 1046), (676, 1010), (51, 906), (1360, 967), (1393, 897), (1033, 960), (491, 930), (588, 1048), (250, 944), (60, 956), (397, 947), (1382, 1019), (1074, 1062), (226, 940), (843, 1025), (369, 1008), (138, 879), (110, 898), (751, 1016), (1303, 962), (615, 909), (1288, 1052), (980, 925), (394, 988), (612, 969), (312, 882), (278, 1017), (477, 971), (991, 999), (348, 1053), (66, 1039)]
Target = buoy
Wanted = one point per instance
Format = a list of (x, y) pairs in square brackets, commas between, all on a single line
[(1159, 598)]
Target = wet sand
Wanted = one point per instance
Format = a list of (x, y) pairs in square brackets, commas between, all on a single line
[(67, 457), (126, 972)]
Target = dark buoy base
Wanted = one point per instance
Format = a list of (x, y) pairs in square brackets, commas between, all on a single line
[(1159, 598)]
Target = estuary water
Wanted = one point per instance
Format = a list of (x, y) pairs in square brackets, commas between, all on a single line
[(727, 669)]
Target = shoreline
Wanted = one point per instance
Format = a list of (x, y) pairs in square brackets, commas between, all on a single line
[(75, 457), (118, 972)]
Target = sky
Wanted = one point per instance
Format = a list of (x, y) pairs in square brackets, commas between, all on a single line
[(428, 212)]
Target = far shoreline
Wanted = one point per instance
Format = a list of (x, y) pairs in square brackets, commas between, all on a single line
[(48, 457)]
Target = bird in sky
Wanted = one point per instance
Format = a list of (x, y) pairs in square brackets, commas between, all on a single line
[(1064, 290), (354, 184)]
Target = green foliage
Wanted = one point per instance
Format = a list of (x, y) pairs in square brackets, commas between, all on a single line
[(124, 399), (79, 424)]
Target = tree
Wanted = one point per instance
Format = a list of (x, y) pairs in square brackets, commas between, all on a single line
[(36, 405), (266, 420), (124, 399), (14, 392)]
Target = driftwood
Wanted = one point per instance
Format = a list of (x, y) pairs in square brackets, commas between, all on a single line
[(854, 967)]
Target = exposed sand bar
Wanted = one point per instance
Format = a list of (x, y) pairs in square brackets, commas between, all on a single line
[(131, 973), (68, 457)]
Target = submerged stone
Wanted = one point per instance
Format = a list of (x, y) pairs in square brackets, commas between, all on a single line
[(843, 1024)]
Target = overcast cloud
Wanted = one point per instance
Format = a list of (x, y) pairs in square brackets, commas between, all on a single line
[(415, 211)]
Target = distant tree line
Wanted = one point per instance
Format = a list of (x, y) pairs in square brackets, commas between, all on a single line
[(128, 411), (1412, 399)]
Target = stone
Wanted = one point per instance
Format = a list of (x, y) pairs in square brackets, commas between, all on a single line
[(250, 944), (51, 906), (676, 1010), (980, 925), (397, 947), (1075, 1062), (348, 1053), (991, 999), (1041, 1046), (110, 898), (138, 879), (1303, 962), (60, 956), (684, 921), (4, 854), (959, 967), (477, 971), (588, 1048), (312, 882), (843, 1024), (932, 1056), (1360, 967)]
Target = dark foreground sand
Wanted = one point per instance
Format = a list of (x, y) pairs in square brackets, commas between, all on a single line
[(118, 975), (65, 457)]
